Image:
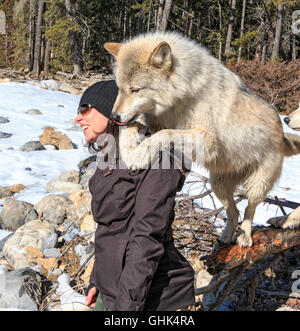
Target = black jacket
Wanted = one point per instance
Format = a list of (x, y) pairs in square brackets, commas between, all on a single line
[(137, 266)]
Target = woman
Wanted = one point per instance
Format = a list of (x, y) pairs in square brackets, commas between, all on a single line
[(137, 266)]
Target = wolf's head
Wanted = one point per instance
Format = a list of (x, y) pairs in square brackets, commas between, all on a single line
[(143, 74), (293, 120)]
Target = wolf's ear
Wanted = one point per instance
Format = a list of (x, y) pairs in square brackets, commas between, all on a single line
[(161, 57), (113, 48)]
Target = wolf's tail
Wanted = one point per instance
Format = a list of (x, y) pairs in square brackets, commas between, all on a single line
[(291, 144)]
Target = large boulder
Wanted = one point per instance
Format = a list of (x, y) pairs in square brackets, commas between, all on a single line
[(56, 186), (20, 289), (71, 176), (55, 138), (36, 234), (16, 213), (55, 208)]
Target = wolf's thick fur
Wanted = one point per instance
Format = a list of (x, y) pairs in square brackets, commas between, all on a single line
[(182, 90), (292, 220)]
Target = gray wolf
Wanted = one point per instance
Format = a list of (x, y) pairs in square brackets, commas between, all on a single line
[(183, 91), (292, 220)]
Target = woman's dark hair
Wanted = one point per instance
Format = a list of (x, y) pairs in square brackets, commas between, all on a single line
[(112, 129)]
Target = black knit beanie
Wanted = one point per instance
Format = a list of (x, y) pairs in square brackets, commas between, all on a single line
[(101, 96)]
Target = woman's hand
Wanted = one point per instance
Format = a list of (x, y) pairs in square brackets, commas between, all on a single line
[(91, 298)]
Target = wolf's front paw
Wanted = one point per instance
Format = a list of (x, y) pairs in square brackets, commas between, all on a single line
[(244, 241)]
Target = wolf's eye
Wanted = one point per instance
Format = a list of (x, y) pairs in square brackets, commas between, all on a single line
[(135, 90)]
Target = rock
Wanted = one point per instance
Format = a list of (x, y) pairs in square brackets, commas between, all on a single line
[(85, 178), (88, 271), (28, 169), (35, 257), (5, 135), (51, 252), (82, 200), (4, 240), (5, 193), (71, 176), (32, 146), (3, 120), (32, 253), (71, 233), (16, 213), (37, 234), (34, 112), (60, 106), (16, 188), (68, 88), (49, 84), (22, 289), (88, 226), (8, 191), (55, 208), (82, 165), (84, 252), (55, 138), (55, 186)]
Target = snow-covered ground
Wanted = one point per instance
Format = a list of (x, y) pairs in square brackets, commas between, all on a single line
[(58, 110), (17, 98)]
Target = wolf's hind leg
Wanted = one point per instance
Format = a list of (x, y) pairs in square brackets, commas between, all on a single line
[(291, 221), (257, 185), (224, 187)]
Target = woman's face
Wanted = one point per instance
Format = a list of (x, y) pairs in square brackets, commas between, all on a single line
[(93, 124)]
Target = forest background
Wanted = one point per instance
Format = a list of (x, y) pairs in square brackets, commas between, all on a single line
[(257, 39)]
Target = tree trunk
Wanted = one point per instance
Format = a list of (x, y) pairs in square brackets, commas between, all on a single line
[(242, 29), (31, 24), (276, 46), (294, 48), (220, 30), (230, 29), (159, 15), (191, 24), (266, 241), (75, 40), (38, 39), (47, 58), (165, 15)]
